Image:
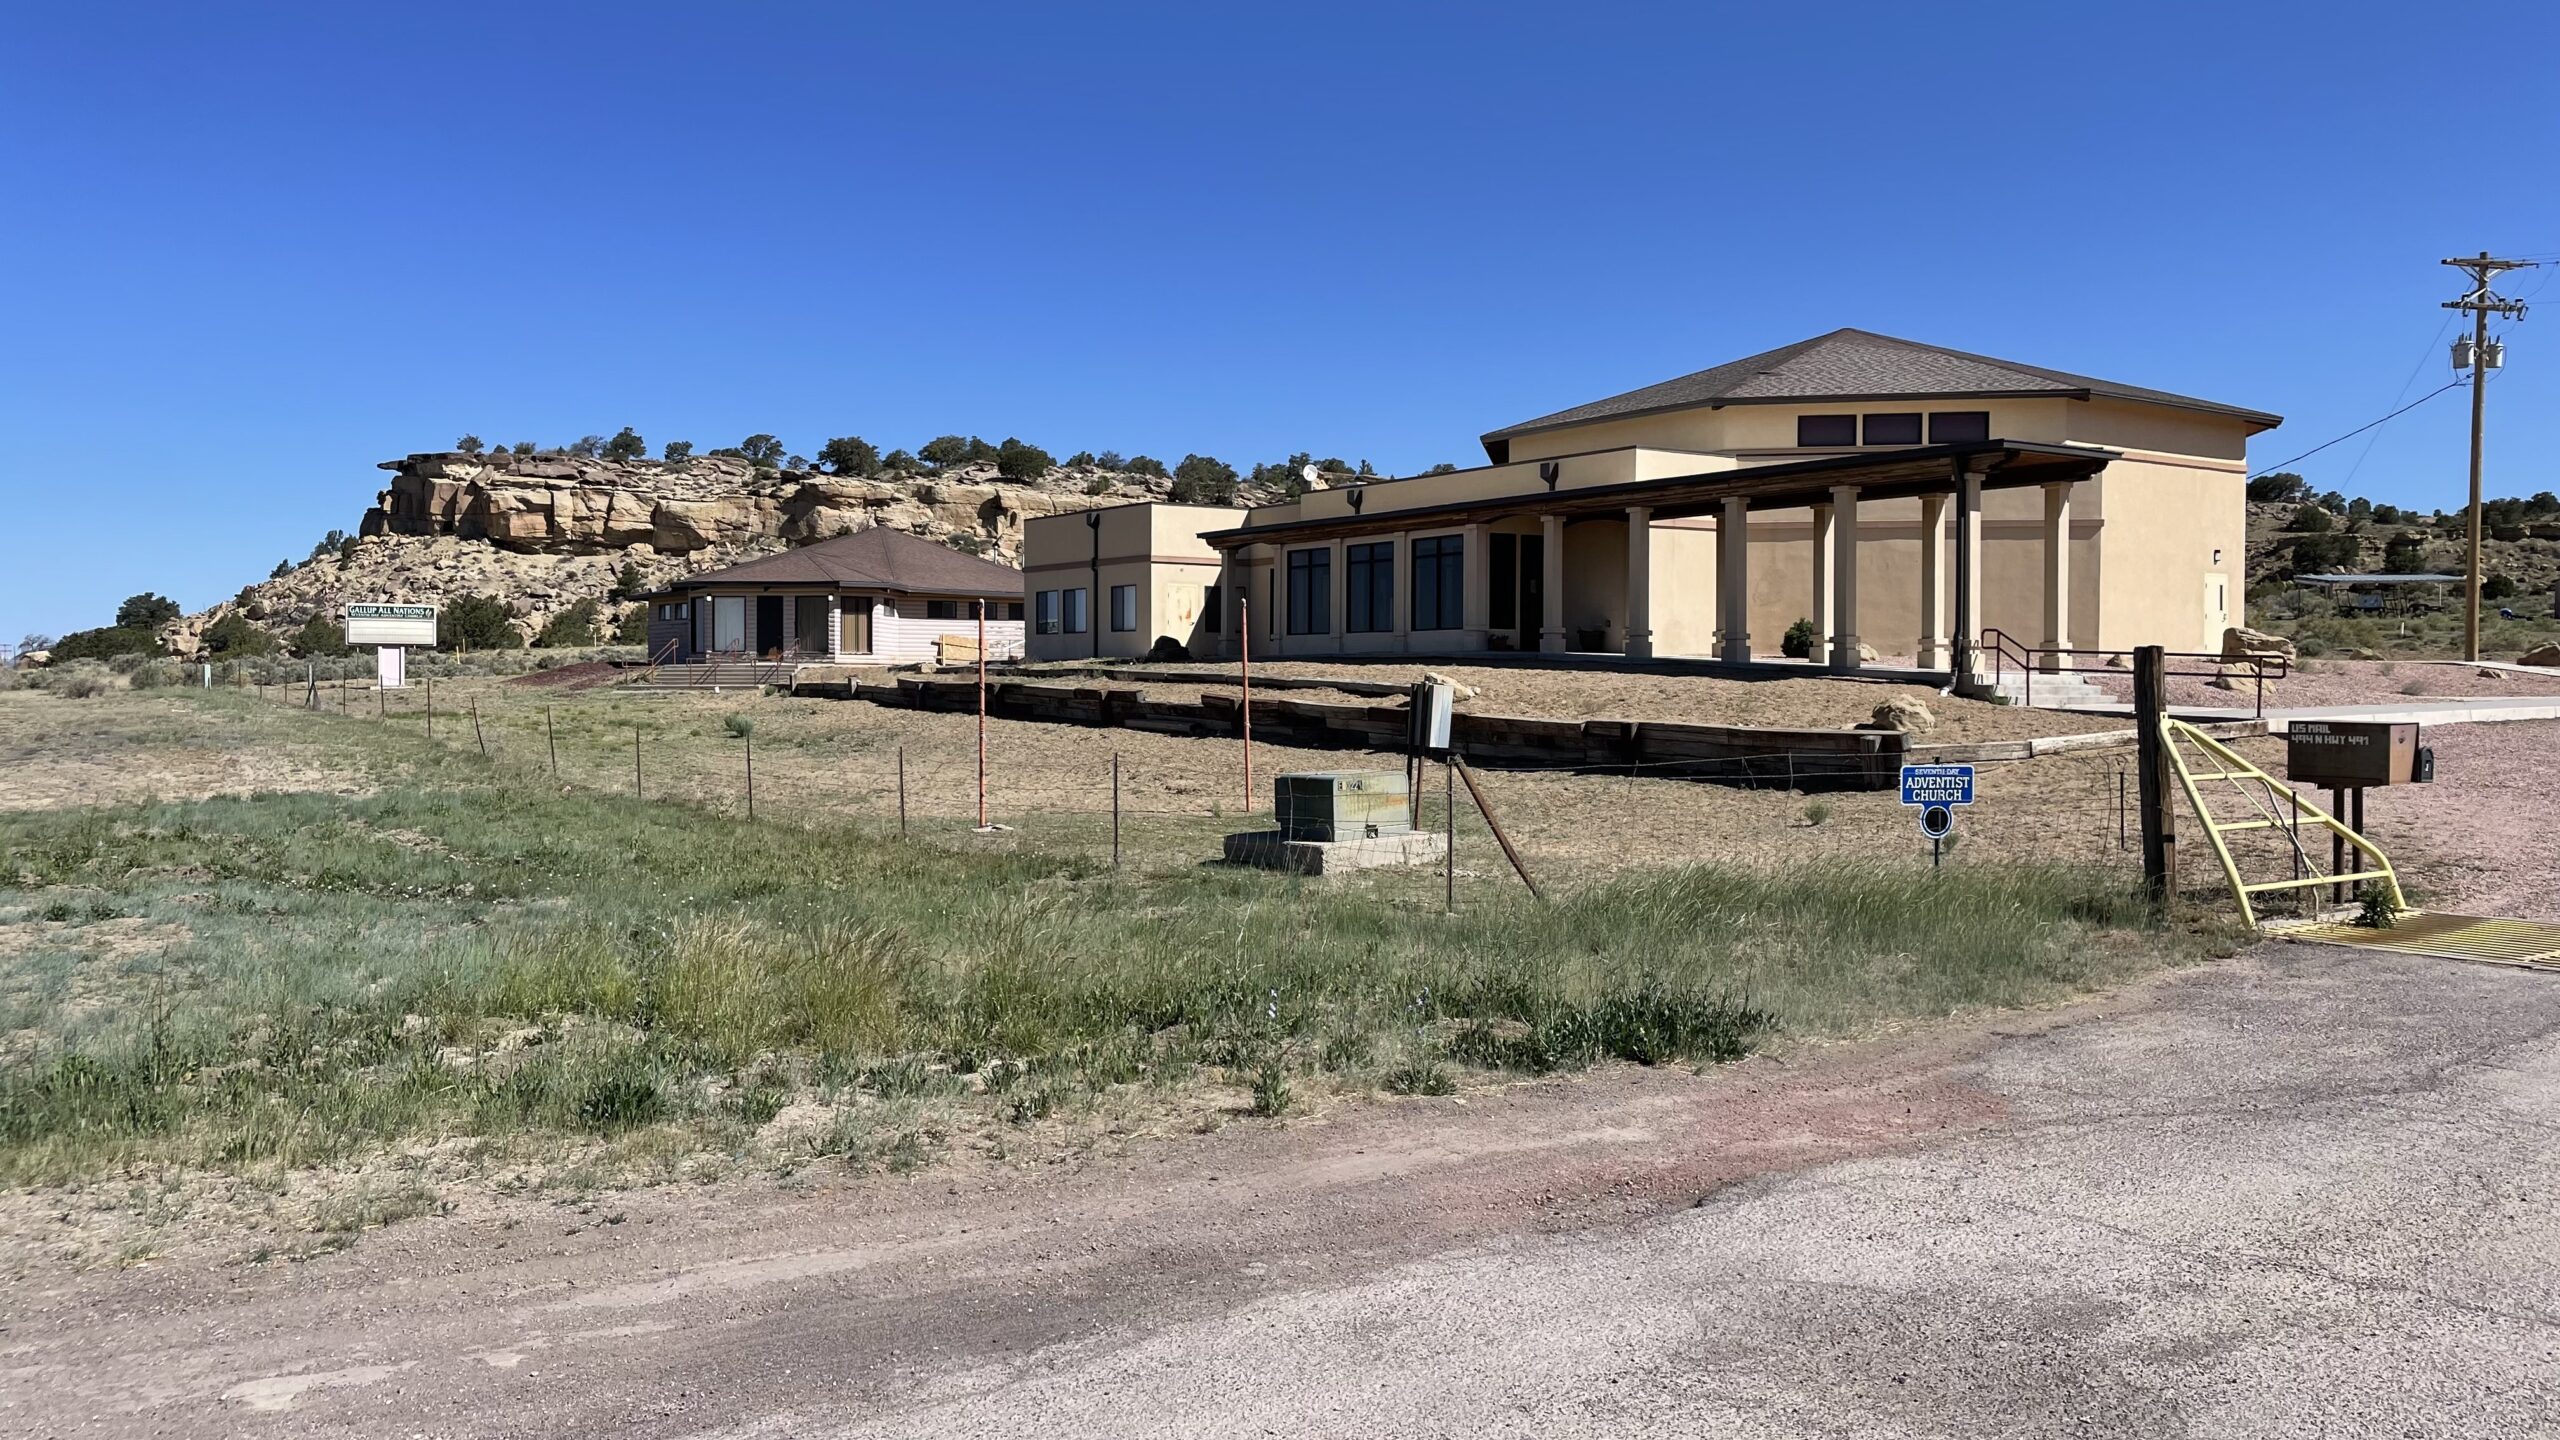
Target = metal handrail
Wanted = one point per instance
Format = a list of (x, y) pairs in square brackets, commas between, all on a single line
[(2005, 648)]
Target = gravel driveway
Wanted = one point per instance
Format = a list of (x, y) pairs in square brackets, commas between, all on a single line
[(2299, 1193)]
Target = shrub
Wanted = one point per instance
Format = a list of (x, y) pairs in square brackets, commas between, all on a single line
[(469, 445), (944, 451), (1017, 460), (738, 726), (1443, 468), (627, 581), (476, 622), (679, 451), (587, 447), (1079, 460), (573, 628), (634, 627), (86, 685), (1797, 643), (523, 447), (234, 638), (283, 568), (1147, 465), (898, 462), (1110, 460), (320, 636), (155, 675), (1816, 812), (2309, 520), (2278, 488), (103, 643), (1098, 485), (2404, 555), (146, 611), (2317, 554), (626, 444), (849, 455), (2498, 587), (1204, 480), (1271, 1095), (762, 451)]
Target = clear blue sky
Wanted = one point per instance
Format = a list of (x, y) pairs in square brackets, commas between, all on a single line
[(252, 250)]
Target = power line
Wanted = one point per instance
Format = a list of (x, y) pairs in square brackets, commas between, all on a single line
[(2350, 435), (2414, 371)]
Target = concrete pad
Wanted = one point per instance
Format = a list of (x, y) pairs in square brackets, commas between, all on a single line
[(1265, 848)]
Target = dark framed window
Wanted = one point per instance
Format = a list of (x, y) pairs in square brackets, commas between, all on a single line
[(946, 610), (1505, 554), (1826, 430), (1012, 611), (1440, 582), (1954, 427), (1213, 609), (1124, 607), (1369, 578), (1893, 427), (1045, 621), (1079, 616), (1311, 592)]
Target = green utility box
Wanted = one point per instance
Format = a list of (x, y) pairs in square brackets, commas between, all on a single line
[(1329, 805)]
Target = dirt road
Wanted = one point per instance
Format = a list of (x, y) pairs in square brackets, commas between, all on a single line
[(2302, 1192)]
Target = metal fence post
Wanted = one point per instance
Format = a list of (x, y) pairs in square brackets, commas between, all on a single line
[(1115, 809), (431, 707), (750, 738), (635, 762), (476, 732), (551, 738), (902, 790)]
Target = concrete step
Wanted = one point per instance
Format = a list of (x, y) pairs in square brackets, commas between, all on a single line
[(2058, 690)]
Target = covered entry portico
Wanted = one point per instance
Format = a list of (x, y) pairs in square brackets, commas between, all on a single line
[(1505, 571)]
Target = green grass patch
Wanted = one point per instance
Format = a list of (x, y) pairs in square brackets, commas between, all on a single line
[(449, 958)]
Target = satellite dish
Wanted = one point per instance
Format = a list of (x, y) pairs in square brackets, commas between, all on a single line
[(1313, 476)]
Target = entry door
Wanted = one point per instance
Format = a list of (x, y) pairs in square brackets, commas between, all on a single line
[(729, 624), (2217, 608), (769, 625), (1533, 590), (809, 624), (853, 625)]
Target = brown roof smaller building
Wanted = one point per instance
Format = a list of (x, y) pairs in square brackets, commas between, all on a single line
[(873, 559)]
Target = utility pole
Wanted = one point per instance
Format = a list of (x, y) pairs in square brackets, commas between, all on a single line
[(2479, 355)]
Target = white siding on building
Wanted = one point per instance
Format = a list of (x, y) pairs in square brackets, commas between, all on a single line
[(900, 636)]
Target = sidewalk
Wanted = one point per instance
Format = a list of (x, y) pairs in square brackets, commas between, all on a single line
[(2475, 710)]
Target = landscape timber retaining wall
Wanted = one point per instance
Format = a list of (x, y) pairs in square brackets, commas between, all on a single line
[(1731, 754)]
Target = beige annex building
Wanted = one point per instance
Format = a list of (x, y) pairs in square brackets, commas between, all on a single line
[(1904, 498)]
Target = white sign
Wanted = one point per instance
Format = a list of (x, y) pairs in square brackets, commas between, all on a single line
[(391, 663), (391, 624)]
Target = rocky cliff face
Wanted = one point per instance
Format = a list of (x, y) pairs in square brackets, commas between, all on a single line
[(544, 532)]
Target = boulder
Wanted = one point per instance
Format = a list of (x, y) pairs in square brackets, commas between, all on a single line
[(1905, 713), (1457, 690), (2242, 643), (2546, 653)]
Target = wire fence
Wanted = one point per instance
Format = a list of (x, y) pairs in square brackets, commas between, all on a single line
[(1133, 800)]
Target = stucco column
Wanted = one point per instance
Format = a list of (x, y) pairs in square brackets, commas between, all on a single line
[(1733, 581), (1931, 652), (2057, 572), (1551, 624), (1844, 577), (1639, 582), (1821, 615), (1477, 565), (1968, 633)]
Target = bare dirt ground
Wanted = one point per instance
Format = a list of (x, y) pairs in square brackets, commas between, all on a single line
[(2347, 682), (2298, 1193), (1809, 703), (56, 752)]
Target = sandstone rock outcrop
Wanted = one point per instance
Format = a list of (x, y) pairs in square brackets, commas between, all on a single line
[(545, 532)]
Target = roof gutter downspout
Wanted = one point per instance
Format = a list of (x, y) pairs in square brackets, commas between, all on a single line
[(1093, 594)]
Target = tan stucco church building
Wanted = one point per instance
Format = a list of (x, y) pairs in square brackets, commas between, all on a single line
[(1910, 501)]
